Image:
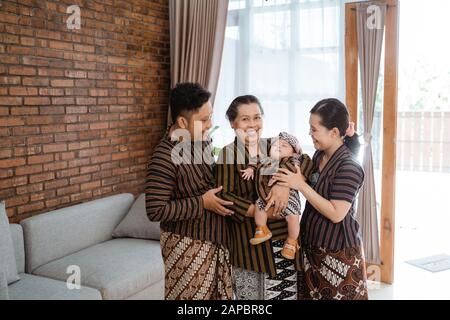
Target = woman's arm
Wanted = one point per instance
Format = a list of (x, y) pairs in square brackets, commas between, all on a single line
[(340, 202)]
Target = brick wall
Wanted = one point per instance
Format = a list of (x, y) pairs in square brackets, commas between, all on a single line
[(80, 110)]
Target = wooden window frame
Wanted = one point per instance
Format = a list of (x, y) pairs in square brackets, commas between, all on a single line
[(387, 221)]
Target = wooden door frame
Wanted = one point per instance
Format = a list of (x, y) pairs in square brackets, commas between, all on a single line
[(387, 227)]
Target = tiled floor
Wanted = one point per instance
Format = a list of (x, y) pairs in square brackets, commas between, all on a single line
[(412, 283)]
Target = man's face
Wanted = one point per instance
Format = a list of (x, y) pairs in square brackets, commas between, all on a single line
[(199, 122)]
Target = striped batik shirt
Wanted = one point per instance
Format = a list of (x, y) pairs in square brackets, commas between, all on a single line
[(174, 193), (340, 179), (243, 193)]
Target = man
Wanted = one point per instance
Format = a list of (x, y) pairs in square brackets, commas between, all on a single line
[(180, 194)]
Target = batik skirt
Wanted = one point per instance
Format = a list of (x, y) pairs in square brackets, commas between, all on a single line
[(195, 269), (251, 285), (332, 275)]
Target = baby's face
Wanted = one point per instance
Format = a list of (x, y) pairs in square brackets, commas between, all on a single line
[(281, 149)]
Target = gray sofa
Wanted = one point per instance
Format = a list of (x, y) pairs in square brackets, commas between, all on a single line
[(48, 244)]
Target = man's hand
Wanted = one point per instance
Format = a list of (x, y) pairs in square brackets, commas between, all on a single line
[(213, 203)]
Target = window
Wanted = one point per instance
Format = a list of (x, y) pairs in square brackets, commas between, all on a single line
[(288, 53)]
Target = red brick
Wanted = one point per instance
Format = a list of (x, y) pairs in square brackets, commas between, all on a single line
[(52, 110), (48, 194), (15, 162), (37, 101), (86, 101), (68, 173), (98, 92), (88, 152), (50, 148), (75, 74), (99, 125), (10, 101), (90, 185), (80, 179), (76, 109), (35, 61), (22, 71), (50, 72), (40, 159), (42, 177), (16, 201), (25, 130), (30, 207), (23, 91), (60, 45), (5, 153), (41, 82), (28, 169), (30, 188), (66, 137), (89, 169), (84, 48), (26, 41), (55, 166), (77, 127), (62, 83), (56, 184), (17, 111), (63, 101), (81, 196), (51, 92), (78, 145), (10, 122), (55, 128), (47, 34), (27, 151), (57, 201), (68, 190)]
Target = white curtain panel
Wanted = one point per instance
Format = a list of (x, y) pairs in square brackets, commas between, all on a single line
[(370, 29)]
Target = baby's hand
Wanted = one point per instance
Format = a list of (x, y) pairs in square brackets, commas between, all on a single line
[(248, 174)]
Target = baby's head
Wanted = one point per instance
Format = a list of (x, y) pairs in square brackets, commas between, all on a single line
[(285, 146)]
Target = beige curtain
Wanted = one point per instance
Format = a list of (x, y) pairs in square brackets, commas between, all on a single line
[(197, 33), (370, 30)]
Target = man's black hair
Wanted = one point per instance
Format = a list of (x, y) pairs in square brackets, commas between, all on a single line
[(187, 97)]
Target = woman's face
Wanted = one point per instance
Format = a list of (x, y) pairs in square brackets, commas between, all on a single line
[(248, 123), (322, 137)]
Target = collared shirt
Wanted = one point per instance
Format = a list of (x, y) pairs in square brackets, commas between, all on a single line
[(340, 179), (174, 192)]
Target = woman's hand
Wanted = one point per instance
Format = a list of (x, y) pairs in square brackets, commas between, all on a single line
[(251, 211), (271, 216), (277, 197), (286, 178)]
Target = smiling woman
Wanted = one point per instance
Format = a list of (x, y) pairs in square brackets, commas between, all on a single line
[(260, 272)]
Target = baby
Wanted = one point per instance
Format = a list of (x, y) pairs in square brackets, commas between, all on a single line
[(284, 153)]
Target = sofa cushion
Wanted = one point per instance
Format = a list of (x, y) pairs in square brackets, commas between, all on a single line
[(4, 295), (32, 287), (119, 268), (136, 223), (58, 233), (19, 251), (7, 257)]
